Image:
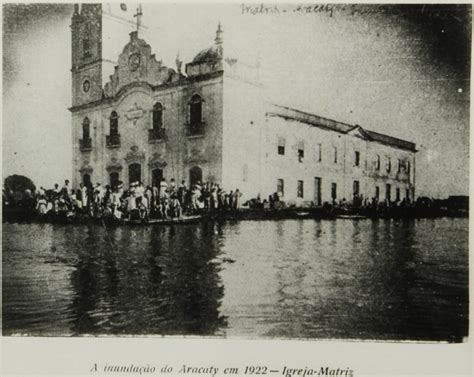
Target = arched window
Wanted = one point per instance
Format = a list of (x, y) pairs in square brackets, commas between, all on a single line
[(86, 128), (157, 116), (86, 47), (195, 175), (113, 123), (195, 115)]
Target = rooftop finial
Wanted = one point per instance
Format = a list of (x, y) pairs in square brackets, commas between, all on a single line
[(219, 33)]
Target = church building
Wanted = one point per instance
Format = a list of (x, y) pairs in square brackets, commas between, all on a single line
[(135, 119)]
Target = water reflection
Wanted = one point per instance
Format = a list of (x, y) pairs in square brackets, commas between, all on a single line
[(381, 279), (147, 281)]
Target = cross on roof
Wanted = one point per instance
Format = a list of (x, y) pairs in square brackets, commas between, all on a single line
[(139, 15)]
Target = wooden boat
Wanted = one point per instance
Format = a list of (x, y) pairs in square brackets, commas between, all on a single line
[(169, 221), (349, 216)]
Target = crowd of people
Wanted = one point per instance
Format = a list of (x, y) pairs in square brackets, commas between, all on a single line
[(164, 200), (167, 200), (361, 202)]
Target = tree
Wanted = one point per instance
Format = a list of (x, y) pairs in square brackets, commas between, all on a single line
[(18, 183)]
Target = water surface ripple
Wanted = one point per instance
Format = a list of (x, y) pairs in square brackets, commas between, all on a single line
[(347, 279)]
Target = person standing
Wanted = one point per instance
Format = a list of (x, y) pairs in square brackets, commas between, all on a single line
[(236, 200), (84, 195), (182, 192), (163, 189)]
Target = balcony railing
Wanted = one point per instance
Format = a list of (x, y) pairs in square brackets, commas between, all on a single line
[(85, 144), (156, 134), (112, 141), (195, 129)]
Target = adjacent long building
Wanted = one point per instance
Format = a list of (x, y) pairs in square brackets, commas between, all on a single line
[(134, 119)]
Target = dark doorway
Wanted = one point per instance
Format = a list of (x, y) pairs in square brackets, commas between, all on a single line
[(156, 176), (134, 173), (113, 179), (86, 180), (195, 175)]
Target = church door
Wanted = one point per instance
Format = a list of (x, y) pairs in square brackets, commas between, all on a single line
[(114, 178), (134, 173), (156, 175), (195, 175), (86, 180)]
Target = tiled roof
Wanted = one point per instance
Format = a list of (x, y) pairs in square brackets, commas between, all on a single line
[(325, 123)]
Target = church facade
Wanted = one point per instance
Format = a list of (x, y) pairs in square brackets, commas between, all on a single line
[(134, 119)]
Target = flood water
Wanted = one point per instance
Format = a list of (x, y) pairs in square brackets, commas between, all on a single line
[(345, 279)]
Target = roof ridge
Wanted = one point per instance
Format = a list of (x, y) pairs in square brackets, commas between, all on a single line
[(341, 127)]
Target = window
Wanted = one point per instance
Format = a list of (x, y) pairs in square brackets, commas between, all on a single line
[(300, 151), (85, 143), (397, 194), (195, 115), (333, 191), (355, 188), (300, 155), (335, 155), (157, 116), (86, 47), (388, 192), (357, 158), (377, 193), (399, 165), (407, 194), (299, 189), (319, 152), (377, 163), (85, 129), (113, 139), (281, 187), (408, 167), (281, 146), (113, 122), (389, 165)]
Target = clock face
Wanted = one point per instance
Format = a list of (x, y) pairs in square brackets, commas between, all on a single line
[(86, 85), (134, 62)]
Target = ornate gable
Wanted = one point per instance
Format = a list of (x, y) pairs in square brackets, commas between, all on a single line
[(137, 64)]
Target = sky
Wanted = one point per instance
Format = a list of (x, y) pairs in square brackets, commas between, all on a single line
[(399, 70)]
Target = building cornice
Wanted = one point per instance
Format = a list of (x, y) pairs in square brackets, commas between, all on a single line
[(154, 88)]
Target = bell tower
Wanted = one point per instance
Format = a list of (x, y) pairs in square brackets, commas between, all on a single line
[(98, 32), (86, 32)]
